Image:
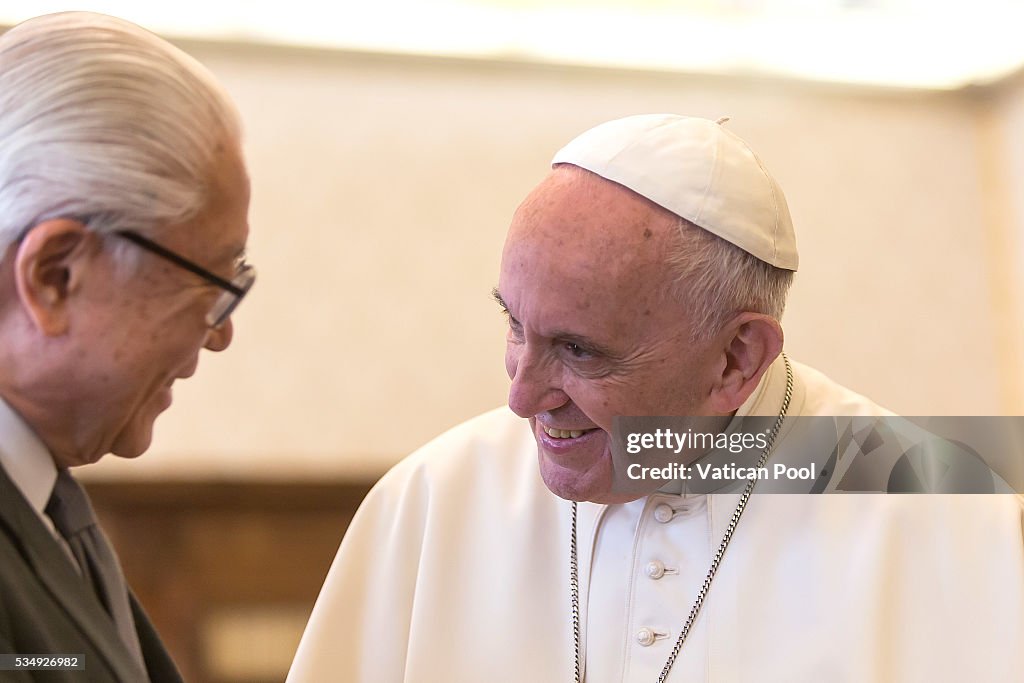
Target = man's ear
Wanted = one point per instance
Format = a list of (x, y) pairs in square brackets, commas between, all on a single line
[(47, 265), (750, 343)]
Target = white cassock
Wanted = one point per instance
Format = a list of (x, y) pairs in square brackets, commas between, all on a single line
[(456, 570)]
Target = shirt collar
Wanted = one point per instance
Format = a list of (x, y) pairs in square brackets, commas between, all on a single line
[(26, 459)]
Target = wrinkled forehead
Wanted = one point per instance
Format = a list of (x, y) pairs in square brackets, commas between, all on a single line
[(586, 238), (596, 220)]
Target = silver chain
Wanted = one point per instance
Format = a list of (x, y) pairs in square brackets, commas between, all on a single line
[(574, 585)]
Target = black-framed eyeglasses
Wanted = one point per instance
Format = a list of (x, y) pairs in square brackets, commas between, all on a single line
[(234, 289)]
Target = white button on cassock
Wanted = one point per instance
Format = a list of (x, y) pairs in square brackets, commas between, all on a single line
[(645, 637), (655, 569), (664, 513)]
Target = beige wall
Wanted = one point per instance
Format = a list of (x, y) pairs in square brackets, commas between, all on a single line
[(382, 188), (1004, 115)]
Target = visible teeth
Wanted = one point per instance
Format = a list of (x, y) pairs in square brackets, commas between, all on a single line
[(563, 433)]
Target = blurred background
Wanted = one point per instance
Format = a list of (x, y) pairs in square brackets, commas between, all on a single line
[(388, 145)]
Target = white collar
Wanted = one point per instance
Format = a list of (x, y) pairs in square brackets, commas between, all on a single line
[(26, 459)]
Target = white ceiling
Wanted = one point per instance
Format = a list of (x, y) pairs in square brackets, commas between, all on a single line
[(942, 44)]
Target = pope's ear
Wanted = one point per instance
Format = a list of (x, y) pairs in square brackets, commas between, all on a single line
[(750, 343), (47, 265)]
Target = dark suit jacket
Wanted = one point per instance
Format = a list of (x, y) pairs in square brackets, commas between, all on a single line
[(46, 608)]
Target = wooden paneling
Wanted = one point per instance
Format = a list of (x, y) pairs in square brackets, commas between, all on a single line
[(201, 556)]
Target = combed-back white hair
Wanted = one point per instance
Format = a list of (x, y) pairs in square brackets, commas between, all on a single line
[(102, 120)]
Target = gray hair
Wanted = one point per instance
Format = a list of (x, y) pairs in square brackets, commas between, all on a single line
[(102, 120), (716, 280)]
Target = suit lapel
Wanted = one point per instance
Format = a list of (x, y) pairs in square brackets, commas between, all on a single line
[(54, 571)]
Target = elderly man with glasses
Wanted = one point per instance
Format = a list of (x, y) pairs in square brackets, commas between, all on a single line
[(123, 223)]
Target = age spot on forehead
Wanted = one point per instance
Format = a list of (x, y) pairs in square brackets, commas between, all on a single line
[(583, 304), (647, 233)]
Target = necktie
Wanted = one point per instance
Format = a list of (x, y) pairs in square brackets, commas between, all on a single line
[(72, 515)]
